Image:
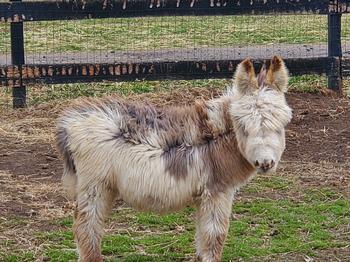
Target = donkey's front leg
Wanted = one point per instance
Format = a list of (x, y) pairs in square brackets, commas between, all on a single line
[(212, 225), (92, 206)]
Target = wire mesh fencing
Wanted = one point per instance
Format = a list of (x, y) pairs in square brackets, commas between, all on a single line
[(345, 38), (131, 40), (173, 38)]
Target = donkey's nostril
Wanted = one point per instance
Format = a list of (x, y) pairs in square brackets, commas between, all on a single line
[(272, 163), (266, 165), (256, 163)]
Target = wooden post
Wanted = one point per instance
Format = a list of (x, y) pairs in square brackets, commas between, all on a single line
[(334, 50), (17, 58)]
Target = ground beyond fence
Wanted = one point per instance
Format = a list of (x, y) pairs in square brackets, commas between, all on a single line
[(152, 40)]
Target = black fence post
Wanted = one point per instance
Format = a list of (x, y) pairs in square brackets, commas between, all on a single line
[(17, 58), (334, 49)]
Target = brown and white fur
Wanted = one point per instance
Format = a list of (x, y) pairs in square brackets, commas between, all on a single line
[(163, 159)]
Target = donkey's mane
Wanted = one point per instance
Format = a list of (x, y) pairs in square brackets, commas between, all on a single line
[(265, 107)]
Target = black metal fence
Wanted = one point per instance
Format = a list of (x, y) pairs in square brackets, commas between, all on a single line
[(31, 50)]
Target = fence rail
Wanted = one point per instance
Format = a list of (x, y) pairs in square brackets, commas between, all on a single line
[(69, 73), (197, 64), (58, 10)]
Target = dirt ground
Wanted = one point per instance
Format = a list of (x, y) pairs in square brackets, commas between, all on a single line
[(317, 154)]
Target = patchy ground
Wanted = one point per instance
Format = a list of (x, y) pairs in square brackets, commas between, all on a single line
[(300, 214)]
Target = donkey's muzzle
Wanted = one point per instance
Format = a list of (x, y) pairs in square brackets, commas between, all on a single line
[(264, 166)]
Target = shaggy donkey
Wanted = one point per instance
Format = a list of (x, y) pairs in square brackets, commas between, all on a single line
[(162, 159)]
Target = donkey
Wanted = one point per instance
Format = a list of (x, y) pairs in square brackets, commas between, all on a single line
[(163, 159)]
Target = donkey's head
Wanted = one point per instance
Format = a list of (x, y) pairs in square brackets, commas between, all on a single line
[(260, 112)]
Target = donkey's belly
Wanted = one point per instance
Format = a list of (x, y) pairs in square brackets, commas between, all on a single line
[(145, 181), (156, 192)]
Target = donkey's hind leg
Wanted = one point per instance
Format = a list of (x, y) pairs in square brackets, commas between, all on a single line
[(212, 226), (92, 206)]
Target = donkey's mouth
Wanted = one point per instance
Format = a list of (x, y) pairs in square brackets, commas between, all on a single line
[(266, 171)]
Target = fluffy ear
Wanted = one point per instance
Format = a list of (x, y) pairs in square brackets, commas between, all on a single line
[(245, 80), (277, 75)]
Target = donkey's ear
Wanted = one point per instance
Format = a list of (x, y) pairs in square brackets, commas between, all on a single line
[(245, 80), (277, 75)]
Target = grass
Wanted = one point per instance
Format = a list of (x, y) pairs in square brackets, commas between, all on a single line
[(151, 33), (308, 83), (19, 256), (261, 228), (171, 32)]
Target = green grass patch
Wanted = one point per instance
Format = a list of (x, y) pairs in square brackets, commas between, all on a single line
[(261, 228), (62, 238), (59, 245), (60, 255), (272, 227), (167, 222), (270, 183), (308, 83), (151, 33), (66, 222), (118, 244), (5, 39), (20, 256), (47, 93), (169, 246), (264, 228)]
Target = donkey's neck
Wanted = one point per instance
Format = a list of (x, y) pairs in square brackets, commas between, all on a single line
[(214, 115), (221, 152)]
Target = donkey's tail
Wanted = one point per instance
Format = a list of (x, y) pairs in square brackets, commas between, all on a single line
[(69, 178)]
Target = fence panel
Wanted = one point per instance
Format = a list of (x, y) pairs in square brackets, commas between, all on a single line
[(155, 40)]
